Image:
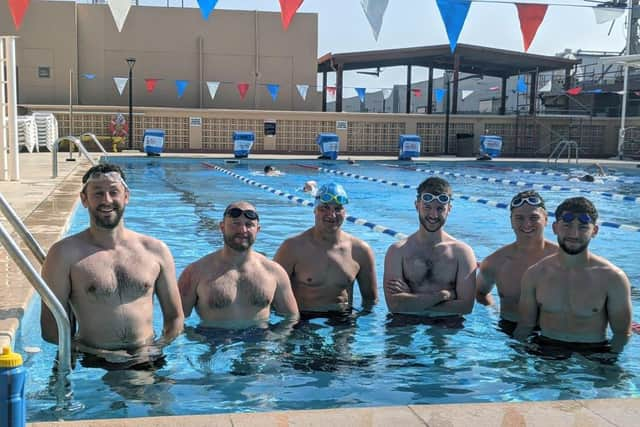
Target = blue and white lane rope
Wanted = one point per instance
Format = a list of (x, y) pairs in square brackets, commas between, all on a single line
[(481, 200), (304, 202), (523, 184)]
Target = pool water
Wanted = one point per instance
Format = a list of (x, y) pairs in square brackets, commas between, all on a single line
[(321, 364)]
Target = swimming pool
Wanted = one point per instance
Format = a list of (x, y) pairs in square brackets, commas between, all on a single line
[(372, 363)]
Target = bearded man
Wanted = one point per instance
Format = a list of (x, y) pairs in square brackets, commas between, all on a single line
[(235, 287)]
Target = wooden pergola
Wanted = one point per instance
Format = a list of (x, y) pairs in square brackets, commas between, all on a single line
[(468, 59)]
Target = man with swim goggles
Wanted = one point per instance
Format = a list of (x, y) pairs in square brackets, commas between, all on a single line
[(324, 261), (505, 266), (109, 275), (235, 287), (575, 294), (430, 273)]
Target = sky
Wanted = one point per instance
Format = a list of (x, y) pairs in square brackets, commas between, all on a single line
[(343, 27)]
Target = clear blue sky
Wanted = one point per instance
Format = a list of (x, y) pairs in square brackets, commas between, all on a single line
[(342, 27)]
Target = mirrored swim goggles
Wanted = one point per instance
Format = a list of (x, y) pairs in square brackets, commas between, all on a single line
[(110, 176), (530, 200), (237, 212), (441, 198), (324, 197), (583, 218)]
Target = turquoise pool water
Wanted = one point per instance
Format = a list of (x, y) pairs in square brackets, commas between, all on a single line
[(372, 362)]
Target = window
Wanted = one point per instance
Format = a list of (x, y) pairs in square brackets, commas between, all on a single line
[(44, 72)]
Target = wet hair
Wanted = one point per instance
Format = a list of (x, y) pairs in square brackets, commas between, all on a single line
[(577, 205), (528, 193), (434, 185), (100, 169), (269, 168), (587, 178)]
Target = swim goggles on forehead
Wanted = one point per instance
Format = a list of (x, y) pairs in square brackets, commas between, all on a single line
[(530, 200), (441, 198), (98, 176), (568, 217), (237, 212), (328, 198)]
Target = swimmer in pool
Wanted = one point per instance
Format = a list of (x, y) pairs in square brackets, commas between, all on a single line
[(505, 267), (106, 277), (271, 171), (310, 187), (235, 287), (574, 294)]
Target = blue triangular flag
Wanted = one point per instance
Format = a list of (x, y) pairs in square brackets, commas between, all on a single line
[(360, 91), (89, 76), (522, 86), (454, 13), (206, 6), (273, 90), (440, 94), (181, 85)]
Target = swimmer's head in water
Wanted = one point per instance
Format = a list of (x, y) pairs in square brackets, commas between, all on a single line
[(269, 169), (102, 171), (587, 178), (332, 193), (530, 197), (310, 186)]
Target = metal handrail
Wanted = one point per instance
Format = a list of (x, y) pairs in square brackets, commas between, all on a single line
[(559, 149), (21, 229), (48, 297), (78, 144), (95, 140)]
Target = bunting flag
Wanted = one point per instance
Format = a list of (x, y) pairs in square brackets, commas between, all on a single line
[(466, 93), (213, 88), (89, 76), (18, 8), (243, 88), (453, 13), (574, 91), (594, 91), (531, 16), (522, 87), (302, 90), (119, 10), (331, 90), (416, 92), (386, 93), (120, 82), (606, 14), (361, 93), (494, 88), (546, 87), (288, 9), (440, 95), (374, 11), (206, 7), (181, 85), (273, 90), (150, 84)]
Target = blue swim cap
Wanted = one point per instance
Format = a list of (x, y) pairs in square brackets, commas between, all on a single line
[(332, 193)]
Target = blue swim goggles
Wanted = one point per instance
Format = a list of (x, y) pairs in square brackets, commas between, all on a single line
[(328, 198), (441, 198), (583, 218)]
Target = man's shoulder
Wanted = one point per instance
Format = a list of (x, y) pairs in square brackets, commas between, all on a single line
[(299, 239), (70, 244)]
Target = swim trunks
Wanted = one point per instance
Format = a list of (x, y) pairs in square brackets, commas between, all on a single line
[(556, 349), (92, 361), (445, 322)]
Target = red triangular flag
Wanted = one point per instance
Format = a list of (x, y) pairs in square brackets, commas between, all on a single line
[(331, 90), (150, 84), (574, 90), (531, 16), (242, 89), (18, 8), (416, 92), (288, 9)]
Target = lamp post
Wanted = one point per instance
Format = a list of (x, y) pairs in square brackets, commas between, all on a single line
[(447, 108), (131, 62)]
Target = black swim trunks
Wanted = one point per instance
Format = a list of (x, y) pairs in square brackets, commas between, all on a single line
[(333, 317), (556, 349), (507, 326), (445, 322), (154, 363)]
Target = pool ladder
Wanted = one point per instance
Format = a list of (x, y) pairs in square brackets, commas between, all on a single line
[(79, 145), (561, 147), (48, 297)]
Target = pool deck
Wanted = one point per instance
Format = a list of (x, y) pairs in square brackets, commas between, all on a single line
[(44, 204)]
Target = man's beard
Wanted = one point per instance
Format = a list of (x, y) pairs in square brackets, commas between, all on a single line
[(111, 222), (241, 246), (572, 251), (424, 224)]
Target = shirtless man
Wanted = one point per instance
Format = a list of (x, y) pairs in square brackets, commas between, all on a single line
[(430, 273), (323, 262), (506, 266), (574, 294), (106, 277), (235, 286)]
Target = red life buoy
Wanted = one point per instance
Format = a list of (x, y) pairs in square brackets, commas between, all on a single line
[(118, 126)]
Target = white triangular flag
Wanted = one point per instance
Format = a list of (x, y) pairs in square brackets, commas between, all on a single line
[(466, 93), (546, 87), (606, 14), (302, 90), (386, 93), (119, 10), (213, 88), (120, 82), (374, 10)]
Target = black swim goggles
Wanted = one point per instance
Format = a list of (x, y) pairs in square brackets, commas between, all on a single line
[(237, 212), (530, 200), (583, 218), (441, 198)]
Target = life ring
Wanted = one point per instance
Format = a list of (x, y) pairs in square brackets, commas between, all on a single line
[(118, 126)]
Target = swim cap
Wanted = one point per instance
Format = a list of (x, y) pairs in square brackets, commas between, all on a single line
[(332, 193)]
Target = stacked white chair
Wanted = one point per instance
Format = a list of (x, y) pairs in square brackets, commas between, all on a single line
[(47, 129), (28, 133)]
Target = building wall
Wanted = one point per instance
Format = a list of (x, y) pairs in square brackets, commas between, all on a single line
[(168, 44)]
